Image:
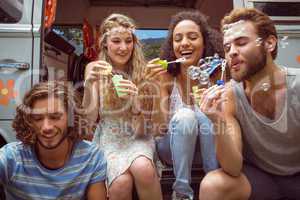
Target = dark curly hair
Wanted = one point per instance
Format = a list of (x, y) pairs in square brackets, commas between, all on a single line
[(213, 42), (77, 124)]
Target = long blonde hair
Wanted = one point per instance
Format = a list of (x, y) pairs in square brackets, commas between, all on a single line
[(136, 65)]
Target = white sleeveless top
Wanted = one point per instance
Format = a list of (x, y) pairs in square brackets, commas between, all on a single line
[(176, 101)]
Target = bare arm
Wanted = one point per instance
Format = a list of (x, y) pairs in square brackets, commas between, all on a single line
[(220, 108), (96, 191), (229, 141), (141, 109), (160, 110), (93, 78), (160, 83), (91, 100)]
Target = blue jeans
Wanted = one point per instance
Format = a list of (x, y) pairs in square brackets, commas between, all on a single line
[(184, 128)]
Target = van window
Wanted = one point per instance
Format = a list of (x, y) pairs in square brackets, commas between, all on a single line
[(11, 11), (151, 39), (73, 34), (288, 9)]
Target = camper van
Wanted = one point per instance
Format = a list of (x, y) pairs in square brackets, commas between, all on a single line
[(32, 50)]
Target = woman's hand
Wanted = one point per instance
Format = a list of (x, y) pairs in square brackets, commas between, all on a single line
[(127, 88), (96, 69), (155, 72), (211, 102)]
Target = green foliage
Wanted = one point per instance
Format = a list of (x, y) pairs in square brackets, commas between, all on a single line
[(151, 47), (70, 33)]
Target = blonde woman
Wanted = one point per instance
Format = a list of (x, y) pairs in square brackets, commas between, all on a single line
[(121, 132)]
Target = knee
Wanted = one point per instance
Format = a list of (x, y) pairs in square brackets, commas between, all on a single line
[(184, 120), (213, 183), (121, 186), (218, 185), (143, 171)]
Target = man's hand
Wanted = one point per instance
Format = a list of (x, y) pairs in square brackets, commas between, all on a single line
[(211, 103)]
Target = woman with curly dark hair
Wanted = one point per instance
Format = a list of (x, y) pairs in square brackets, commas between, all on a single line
[(212, 40), (51, 160), (190, 38)]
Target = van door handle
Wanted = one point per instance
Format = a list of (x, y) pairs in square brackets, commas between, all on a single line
[(15, 65)]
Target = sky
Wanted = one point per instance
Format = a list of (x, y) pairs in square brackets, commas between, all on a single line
[(144, 34)]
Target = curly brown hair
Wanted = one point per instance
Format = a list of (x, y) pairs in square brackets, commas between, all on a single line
[(77, 124), (213, 42), (262, 22)]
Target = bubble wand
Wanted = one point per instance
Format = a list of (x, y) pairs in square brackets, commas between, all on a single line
[(164, 63), (223, 68)]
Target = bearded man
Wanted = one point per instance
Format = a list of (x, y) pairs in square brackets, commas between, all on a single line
[(256, 116)]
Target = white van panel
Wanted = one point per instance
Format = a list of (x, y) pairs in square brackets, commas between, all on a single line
[(288, 33), (16, 47), (289, 50), (6, 131), (20, 45)]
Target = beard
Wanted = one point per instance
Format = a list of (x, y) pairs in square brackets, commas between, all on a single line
[(254, 63)]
